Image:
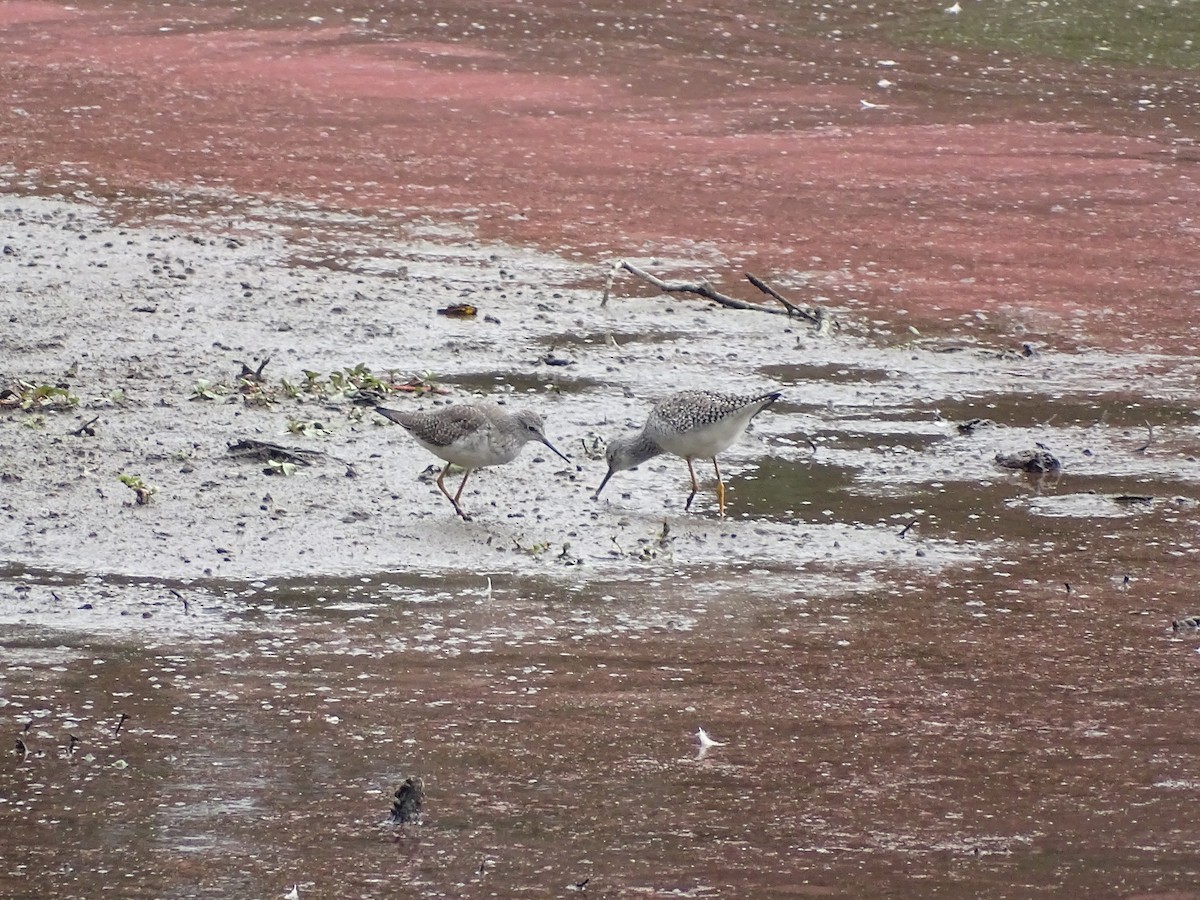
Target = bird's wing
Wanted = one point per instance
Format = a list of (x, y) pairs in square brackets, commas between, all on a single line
[(456, 421)]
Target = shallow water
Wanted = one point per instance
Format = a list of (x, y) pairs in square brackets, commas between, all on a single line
[(882, 743)]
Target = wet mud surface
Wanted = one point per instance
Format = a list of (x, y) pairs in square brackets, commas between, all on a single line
[(931, 675)]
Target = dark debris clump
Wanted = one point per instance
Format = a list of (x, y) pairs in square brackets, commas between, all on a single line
[(407, 802), (1029, 461)]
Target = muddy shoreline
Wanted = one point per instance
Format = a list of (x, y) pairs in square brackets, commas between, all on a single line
[(156, 358)]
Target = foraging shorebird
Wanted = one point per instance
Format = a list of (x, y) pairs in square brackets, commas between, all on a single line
[(472, 436), (690, 424)]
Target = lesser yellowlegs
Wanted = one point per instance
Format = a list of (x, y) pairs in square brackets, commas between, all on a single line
[(691, 424), (472, 436)]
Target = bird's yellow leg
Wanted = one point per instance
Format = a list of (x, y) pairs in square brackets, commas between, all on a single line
[(458, 493), (454, 500), (695, 487), (720, 490)]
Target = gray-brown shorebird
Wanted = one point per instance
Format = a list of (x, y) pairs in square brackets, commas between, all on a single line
[(691, 424), (472, 436)]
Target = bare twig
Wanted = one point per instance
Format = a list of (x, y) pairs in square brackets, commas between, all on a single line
[(904, 530), (86, 428), (182, 599), (814, 316), (1149, 438), (612, 276), (700, 288), (817, 316), (252, 374)]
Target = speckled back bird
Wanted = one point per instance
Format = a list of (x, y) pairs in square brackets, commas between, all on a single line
[(471, 435), (690, 424)]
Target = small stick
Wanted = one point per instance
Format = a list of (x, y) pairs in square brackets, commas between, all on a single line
[(86, 428), (792, 308), (904, 530), (702, 288), (665, 535), (1149, 438), (252, 374), (612, 275), (182, 599)]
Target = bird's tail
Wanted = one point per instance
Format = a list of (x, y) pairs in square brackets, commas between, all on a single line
[(400, 418)]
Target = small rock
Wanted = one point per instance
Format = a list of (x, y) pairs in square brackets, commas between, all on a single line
[(972, 425), (407, 802), (1029, 461), (1133, 500)]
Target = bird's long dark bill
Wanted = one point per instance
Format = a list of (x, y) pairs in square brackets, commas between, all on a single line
[(555, 449), (611, 473)]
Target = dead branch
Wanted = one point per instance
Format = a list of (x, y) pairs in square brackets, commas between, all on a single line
[(702, 289), (608, 283), (250, 374), (88, 428), (816, 316), (1149, 438)]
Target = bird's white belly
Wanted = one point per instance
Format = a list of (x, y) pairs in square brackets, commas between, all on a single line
[(476, 451), (703, 442)]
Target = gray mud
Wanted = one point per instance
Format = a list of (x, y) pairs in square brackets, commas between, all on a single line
[(135, 322)]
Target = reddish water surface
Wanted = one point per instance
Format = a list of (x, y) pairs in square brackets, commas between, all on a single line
[(976, 182)]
